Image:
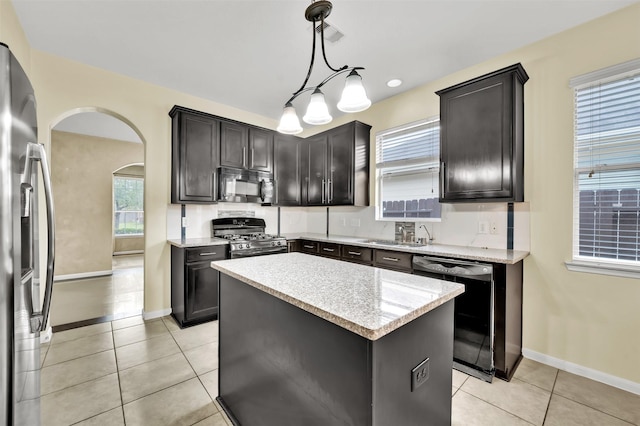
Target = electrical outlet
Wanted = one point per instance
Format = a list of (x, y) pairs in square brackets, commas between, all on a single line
[(419, 374), (494, 228), (483, 227)]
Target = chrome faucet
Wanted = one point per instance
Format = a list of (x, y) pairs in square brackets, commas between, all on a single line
[(404, 233), (428, 233)]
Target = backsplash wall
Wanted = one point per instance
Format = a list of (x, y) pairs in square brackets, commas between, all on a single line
[(460, 224)]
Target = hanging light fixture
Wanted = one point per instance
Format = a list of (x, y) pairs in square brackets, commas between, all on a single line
[(354, 97)]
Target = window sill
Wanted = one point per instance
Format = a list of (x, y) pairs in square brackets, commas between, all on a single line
[(129, 236), (408, 219), (604, 268)]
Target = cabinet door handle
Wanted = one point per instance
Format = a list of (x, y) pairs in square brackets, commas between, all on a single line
[(330, 191), (442, 177), (244, 157), (210, 253), (329, 249), (354, 253), (392, 259), (308, 246), (323, 190)]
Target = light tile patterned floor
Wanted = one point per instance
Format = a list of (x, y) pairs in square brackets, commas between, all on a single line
[(118, 295), (131, 372)]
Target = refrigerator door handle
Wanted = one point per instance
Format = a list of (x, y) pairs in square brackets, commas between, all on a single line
[(35, 152)]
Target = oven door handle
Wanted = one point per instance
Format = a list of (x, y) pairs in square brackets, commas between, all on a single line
[(250, 253)]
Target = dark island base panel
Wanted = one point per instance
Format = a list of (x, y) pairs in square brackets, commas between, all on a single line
[(280, 366)]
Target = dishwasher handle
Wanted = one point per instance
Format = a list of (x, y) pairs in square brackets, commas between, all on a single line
[(453, 268)]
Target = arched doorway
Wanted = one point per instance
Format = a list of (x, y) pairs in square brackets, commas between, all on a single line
[(87, 146)]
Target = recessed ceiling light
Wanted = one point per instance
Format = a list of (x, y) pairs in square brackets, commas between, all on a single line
[(394, 82)]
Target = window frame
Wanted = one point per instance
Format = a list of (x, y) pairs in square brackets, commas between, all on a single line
[(379, 167), (592, 264), (114, 211)]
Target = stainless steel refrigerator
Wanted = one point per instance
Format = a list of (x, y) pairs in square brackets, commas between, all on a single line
[(23, 312)]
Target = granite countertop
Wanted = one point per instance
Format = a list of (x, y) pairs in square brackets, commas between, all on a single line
[(198, 242), (504, 256), (370, 302)]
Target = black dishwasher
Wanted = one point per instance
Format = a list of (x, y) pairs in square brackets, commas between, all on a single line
[(473, 311)]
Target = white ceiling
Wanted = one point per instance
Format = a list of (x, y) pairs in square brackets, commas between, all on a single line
[(253, 54)]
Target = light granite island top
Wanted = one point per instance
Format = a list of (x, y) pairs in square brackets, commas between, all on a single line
[(368, 301)]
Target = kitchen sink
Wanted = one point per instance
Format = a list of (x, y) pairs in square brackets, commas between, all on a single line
[(394, 243)]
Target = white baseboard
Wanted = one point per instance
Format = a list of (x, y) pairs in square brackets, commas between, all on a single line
[(82, 275), (45, 336), (122, 253), (580, 370), (155, 314)]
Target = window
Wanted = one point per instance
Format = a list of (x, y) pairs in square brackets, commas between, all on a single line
[(607, 167), (407, 171), (128, 211)]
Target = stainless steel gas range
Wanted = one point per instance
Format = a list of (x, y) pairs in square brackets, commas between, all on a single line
[(247, 236)]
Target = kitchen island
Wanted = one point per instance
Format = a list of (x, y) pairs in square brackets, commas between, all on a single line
[(313, 341)]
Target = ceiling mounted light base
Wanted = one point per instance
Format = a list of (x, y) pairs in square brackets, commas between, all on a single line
[(318, 10)]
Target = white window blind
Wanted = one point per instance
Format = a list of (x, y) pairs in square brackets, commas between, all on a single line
[(607, 166), (407, 164)]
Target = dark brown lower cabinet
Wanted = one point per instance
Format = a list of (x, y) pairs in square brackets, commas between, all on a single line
[(508, 294), (194, 284), (330, 250), (310, 247), (507, 350), (357, 254), (393, 260)]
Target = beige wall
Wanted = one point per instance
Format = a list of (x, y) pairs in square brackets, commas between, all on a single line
[(12, 35), (82, 170), (590, 320), (586, 319), (63, 87)]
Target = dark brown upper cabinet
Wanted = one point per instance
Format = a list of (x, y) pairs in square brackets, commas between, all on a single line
[(234, 138), (287, 151), (335, 167), (246, 147), (194, 156), (482, 138), (260, 152), (328, 169)]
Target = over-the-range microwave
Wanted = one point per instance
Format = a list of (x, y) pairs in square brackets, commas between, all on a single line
[(244, 186)]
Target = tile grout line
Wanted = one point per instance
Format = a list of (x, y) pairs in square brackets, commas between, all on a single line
[(546, 412), (224, 417), (584, 404), (115, 354), (499, 408), (197, 375)]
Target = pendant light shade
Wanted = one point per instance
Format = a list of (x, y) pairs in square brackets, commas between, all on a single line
[(354, 97), (317, 111), (289, 122)]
